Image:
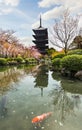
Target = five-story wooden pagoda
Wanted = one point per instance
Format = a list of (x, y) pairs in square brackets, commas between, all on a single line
[(41, 38)]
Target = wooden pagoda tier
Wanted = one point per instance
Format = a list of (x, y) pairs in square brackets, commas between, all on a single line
[(41, 39), (41, 42), (38, 37)]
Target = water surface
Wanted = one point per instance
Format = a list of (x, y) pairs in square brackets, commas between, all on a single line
[(26, 92)]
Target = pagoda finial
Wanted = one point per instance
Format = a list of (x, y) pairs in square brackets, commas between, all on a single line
[(40, 21)]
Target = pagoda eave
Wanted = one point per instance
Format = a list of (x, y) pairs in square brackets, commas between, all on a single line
[(40, 41), (41, 36), (38, 31)]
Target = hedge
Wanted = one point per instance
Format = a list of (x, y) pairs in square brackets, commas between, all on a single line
[(59, 55), (30, 60), (3, 61), (72, 62), (77, 51), (19, 59), (56, 63)]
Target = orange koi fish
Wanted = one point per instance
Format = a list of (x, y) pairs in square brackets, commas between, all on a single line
[(40, 118)]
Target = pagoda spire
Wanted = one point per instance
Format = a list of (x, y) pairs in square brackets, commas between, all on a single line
[(40, 21)]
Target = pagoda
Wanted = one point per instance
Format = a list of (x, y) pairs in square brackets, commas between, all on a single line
[(41, 38)]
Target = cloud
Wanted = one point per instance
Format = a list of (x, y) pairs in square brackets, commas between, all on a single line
[(75, 5), (8, 6), (68, 3), (58, 6), (5, 11), (48, 3), (53, 13), (10, 2)]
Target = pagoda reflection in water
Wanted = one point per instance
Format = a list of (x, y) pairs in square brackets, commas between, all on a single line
[(41, 79), (41, 38)]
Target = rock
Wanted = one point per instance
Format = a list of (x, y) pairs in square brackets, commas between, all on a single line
[(79, 75)]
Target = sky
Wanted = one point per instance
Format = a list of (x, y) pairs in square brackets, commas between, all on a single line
[(23, 15)]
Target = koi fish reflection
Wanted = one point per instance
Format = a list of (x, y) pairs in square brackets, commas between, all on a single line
[(40, 118)]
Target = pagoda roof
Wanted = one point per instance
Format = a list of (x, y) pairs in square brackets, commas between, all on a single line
[(39, 36), (41, 41), (41, 46), (40, 31), (39, 28), (42, 51)]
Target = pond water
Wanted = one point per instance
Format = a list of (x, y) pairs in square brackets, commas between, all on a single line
[(26, 92)]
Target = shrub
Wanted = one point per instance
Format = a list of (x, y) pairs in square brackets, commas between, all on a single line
[(72, 62), (30, 60), (56, 63), (19, 59), (26, 60), (9, 59), (77, 51), (3, 61), (59, 55)]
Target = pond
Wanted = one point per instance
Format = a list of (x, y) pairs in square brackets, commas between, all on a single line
[(30, 91)]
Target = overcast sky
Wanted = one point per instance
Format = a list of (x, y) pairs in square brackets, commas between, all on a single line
[(23, 15)]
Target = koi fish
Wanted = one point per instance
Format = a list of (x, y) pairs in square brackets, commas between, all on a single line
[(40, 118)]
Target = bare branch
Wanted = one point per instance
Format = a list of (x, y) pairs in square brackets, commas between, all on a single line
[(64, 31)]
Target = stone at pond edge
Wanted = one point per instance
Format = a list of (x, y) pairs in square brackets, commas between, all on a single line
[(79, 75)]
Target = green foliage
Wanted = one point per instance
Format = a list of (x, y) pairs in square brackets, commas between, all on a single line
[(59, 55), (72, 62), (9, 59), (19, 59), (77, 51), (13, 61), (26, 60), (30, 60), (56, 63), (3, 61), (50, 51)]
